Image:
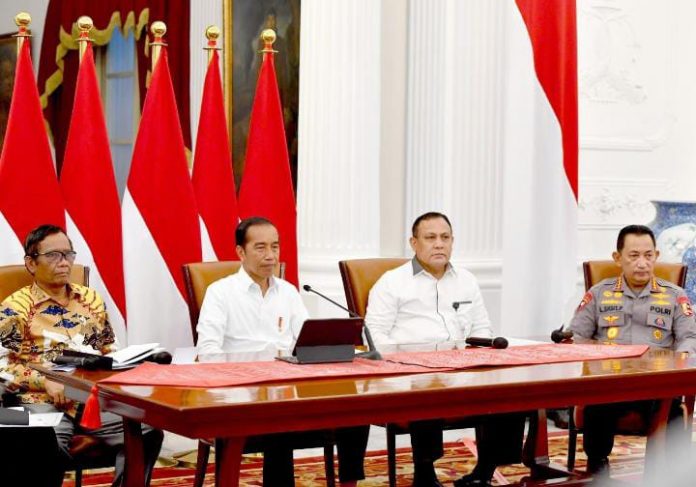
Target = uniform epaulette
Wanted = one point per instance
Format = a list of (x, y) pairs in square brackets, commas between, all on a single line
[(666, 283)]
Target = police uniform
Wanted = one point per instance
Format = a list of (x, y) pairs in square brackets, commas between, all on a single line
[(660, 315)]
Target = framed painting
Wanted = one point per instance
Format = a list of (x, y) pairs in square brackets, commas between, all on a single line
[(8, 61), (246, 19)]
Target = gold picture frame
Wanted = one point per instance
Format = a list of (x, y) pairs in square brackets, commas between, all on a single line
[(8, 63), (243, 21)]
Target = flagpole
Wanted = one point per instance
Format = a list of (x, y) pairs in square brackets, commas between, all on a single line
[(85, 24), (22, 20), (212, 33), (158, 29)]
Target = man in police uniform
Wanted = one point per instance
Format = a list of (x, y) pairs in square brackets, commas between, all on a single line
[(634, 308)]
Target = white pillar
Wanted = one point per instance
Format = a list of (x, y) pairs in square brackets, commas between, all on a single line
[(454, 98), (203, 14), (339, 134)]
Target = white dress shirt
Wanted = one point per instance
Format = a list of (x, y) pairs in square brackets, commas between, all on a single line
[(409, 305), (236, 317)]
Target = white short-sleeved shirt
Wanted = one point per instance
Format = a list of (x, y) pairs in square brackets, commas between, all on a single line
[(409, 305), (236, 317)]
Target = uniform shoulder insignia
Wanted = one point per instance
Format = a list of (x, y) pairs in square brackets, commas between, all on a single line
[(585, 300), (685, 304)]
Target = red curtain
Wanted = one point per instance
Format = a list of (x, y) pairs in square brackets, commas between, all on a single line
[(59, 56)]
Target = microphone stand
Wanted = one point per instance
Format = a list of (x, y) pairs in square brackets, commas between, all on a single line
[(372, 353)]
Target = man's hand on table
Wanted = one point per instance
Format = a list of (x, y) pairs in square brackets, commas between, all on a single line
[(56, 392)]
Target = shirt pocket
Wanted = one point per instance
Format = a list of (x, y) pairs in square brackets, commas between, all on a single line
[(660, 328)]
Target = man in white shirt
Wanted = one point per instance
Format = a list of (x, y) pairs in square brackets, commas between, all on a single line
[(253, 310), (427, 300)]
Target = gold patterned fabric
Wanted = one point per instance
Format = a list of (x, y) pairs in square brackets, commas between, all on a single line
[(34, 328)]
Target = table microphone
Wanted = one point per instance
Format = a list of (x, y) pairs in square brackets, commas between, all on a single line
[(163, 357), (560, 335), (89, 363), (497, 342), (371, 354)]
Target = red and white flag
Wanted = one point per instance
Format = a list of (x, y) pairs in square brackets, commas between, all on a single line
[(541, 166), (160, 222), (91, 198), (267, 184), (29, 192), (213, 181)]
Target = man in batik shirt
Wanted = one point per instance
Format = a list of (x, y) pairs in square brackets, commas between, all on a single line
[(39, 322)]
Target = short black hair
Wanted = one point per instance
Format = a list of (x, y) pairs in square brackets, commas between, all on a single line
[(241, 232), (431, 215), (633, 230), (37, 235)]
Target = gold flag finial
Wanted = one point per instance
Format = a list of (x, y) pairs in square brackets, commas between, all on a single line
[(268, 36), (212, 33), (84, 24), (22, 20), (158, 29)]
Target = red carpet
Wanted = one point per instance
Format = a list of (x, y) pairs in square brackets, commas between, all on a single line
[(627, 463)]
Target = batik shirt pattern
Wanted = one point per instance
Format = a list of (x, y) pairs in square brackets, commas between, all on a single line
[(34, 328)]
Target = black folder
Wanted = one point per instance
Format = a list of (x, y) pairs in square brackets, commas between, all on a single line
[(13, 417)]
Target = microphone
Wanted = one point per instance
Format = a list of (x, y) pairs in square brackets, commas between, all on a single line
[(162, 357), (89, 363), (497, 342), (372, 353), (560, 335), (457, 304)]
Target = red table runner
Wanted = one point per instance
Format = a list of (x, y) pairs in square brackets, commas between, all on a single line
[(547, 353), (246, 373), (228, 374)]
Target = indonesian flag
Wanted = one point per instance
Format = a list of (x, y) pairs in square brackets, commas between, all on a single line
[(91, 197), (29, 191), (267, 185), (541, 166), (213, 181), (160, 222)]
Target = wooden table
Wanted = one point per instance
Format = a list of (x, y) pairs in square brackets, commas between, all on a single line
[(233, 413)]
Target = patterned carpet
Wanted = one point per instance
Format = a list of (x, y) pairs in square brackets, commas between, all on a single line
[(626, 460)]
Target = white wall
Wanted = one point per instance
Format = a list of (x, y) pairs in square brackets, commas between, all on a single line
[(637, 113), (637, 118)]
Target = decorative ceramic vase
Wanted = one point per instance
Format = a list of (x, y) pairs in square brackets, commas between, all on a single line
[(675, 230)]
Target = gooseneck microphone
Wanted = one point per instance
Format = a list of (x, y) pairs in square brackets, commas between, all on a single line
[(497, 342), (371, 354), (560, 335)]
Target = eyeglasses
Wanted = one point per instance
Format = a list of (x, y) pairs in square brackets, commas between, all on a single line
[(57, 255)]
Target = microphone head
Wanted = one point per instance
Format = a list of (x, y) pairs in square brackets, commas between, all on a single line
[(307, 287), (556, 336), (500, 342)]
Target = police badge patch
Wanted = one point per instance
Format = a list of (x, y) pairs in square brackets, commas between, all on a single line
[(585, 299), (685, 304)]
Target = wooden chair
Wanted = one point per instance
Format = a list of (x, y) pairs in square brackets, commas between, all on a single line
[(198, 276), (359, 276), (15, 277), (87, 451), (595, 271)]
